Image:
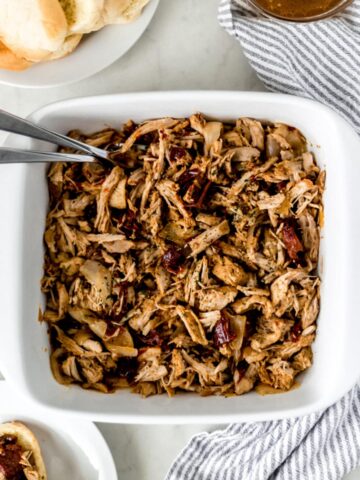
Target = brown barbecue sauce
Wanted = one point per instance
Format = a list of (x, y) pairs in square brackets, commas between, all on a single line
[(10, 456), (298, 8)]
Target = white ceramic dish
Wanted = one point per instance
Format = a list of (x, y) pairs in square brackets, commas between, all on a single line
[(72, 449), (23, 204), (96, 51)]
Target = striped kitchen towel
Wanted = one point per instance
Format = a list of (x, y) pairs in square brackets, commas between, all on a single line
[(319, 446), (320, 61)]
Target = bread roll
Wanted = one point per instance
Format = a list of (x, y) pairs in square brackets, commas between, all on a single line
[(32, 29), (122, 11), (28, 442), (10, 61), (83, 16), (71, 42)]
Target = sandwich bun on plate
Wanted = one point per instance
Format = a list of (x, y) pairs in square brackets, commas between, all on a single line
[(20, 453), (33, 30), (70, 43), (83, 16), (10, 61), (122, 11)]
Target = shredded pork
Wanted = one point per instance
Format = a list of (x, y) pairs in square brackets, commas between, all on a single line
[(187, 265)]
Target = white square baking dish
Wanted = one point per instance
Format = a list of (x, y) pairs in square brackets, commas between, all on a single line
[(24, 355)]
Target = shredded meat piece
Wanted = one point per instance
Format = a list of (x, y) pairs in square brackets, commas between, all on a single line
[(10, 457), (192, 324), (189, 263), (229, 272), (209, 236), (103, 200), (216, 298), (16, 461)]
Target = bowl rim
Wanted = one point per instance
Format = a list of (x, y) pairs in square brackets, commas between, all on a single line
[(312, 18)]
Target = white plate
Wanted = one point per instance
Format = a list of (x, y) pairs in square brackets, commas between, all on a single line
[(72, 449), (96, 51), (24, 341)]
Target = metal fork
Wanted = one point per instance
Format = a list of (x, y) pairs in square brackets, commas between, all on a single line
[(12, 123)]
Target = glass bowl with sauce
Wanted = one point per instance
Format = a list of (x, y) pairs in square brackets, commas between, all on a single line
[(300, 10)]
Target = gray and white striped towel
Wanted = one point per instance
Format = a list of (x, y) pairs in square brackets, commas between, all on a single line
[(320, 446), (319, 61)]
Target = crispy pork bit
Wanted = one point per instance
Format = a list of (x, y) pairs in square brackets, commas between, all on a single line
[(222, 331), (190, 263), (291, 240), (173, 259)]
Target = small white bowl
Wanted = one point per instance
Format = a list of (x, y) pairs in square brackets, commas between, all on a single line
[(72, 449), (24, 343), (95, 52)]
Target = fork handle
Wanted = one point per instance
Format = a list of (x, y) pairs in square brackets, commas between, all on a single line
[(13, 155), (12, 123)]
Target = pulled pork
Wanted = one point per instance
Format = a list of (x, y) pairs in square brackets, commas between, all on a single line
[(16, 462), (187, 265)]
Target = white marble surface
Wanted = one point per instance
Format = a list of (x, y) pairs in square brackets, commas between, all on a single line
[(146, 452), (183, 48)]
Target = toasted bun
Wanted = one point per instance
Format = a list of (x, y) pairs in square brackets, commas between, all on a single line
[(9, 61), (71, 42), (122, 11), (32, 29), (83, 16), (27, 441)]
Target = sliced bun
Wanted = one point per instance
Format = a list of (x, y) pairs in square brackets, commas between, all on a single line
[(71, 42), (32, 29), (83, 16), (122, 11), (114, 10), (27, 440), (10, 61)]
